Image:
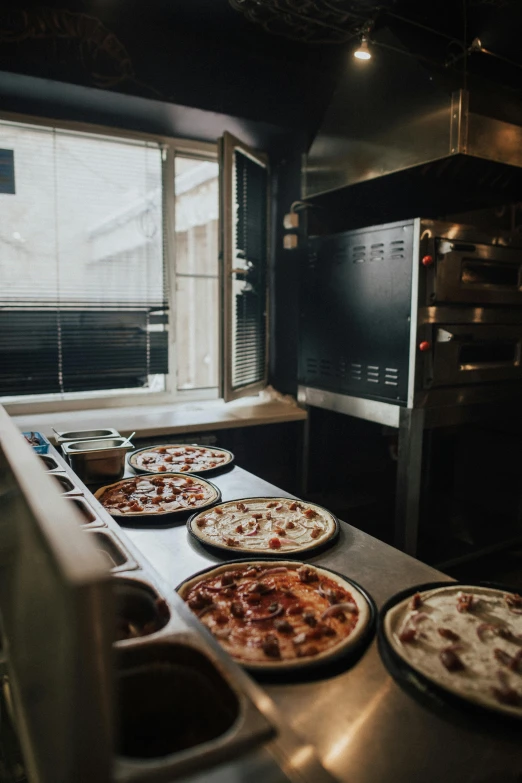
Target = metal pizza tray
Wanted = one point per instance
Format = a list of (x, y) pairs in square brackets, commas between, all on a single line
[(447, 704), (240, 552), (131, 459), (161, 518), (335, 663)]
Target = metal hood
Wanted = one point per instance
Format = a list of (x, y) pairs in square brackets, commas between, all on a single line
[(393, 123)]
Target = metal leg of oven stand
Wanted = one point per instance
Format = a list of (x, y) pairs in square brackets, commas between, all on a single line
[(409, 474)]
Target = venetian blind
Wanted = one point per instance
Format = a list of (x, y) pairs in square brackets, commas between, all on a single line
[(249, 288), (83, 294)]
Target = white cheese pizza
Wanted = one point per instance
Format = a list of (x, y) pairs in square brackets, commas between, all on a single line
[(179, 457), (155, 495), (465, 639), (265, 525), (279, 615)]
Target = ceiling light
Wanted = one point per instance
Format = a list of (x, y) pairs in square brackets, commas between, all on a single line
[(363, 52)]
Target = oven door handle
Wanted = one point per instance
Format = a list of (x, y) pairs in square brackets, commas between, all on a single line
[(458, 247), (443, 336)]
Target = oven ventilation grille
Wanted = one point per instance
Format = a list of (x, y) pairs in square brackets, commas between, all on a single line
[(391, 377), (378, 251), (311, 366), (363, 374), (358, 254)]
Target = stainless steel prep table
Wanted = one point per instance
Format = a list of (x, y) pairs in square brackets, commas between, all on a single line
[(365, 728)]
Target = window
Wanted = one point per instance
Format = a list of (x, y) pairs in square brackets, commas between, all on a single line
[(245, 267), (197, 272), (111, 284)]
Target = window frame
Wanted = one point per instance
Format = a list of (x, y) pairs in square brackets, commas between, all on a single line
[(228, 144), (77, 401)]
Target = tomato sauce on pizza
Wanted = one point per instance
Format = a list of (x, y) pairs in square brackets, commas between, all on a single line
[(266, 614), (156, 494)]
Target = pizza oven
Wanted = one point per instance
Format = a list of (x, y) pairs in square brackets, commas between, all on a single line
[(414, 324), (411, 314)]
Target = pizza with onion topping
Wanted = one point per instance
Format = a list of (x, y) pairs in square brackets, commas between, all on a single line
[(265, 525), (466, 639), (280, 614), (154, 495), (180, 458)]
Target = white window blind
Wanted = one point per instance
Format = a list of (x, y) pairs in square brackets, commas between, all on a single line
[(83, 293)]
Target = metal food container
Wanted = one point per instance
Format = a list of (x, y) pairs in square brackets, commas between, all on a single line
[(93, 434), (97, 460)]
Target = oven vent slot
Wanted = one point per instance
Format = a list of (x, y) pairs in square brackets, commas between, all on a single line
[(311, 366), (358, 254), (372, 373), (356, 371), (341, 369), (326, 368), (391, 376), (377, 252), (396, 249)]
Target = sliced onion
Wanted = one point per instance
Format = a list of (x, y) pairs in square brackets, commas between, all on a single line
[(270, 616), (333, 610)]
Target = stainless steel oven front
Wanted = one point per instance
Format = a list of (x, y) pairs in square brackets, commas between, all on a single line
[(472, 353), (412, 314), (466, 272)]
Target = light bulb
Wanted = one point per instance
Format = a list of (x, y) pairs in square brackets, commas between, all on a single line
[(363, 52)]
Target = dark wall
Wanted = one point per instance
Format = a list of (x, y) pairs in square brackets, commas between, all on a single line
[(194, 53), (284, 278), (33, 96)]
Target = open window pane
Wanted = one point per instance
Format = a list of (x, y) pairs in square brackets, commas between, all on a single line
[(245, 255)]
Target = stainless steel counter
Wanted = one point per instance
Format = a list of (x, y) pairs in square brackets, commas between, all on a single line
[(365, 728)]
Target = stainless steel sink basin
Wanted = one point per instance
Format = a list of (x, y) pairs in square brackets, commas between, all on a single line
[(170, 698)]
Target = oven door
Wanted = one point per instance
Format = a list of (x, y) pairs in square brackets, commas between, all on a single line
[(476, 274), (473, 353)]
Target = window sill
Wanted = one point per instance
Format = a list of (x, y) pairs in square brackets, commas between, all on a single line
[(157, 420)]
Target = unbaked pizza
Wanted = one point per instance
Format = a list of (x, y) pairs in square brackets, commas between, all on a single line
[(156, 495), (179, 458), (279, 615), (465, 639), (265, 525)]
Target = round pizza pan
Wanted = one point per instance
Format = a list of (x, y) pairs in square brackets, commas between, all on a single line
[(161, 517), (296, 671), (277, 554), (448, 704), (131, 460)]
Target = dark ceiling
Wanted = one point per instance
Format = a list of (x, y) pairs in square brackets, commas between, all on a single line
[(266, 60)]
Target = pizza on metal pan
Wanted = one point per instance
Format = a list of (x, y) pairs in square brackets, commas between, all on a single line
[(179, 458), (153, 495), (278, 615), (466, 639), (268, 525)]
